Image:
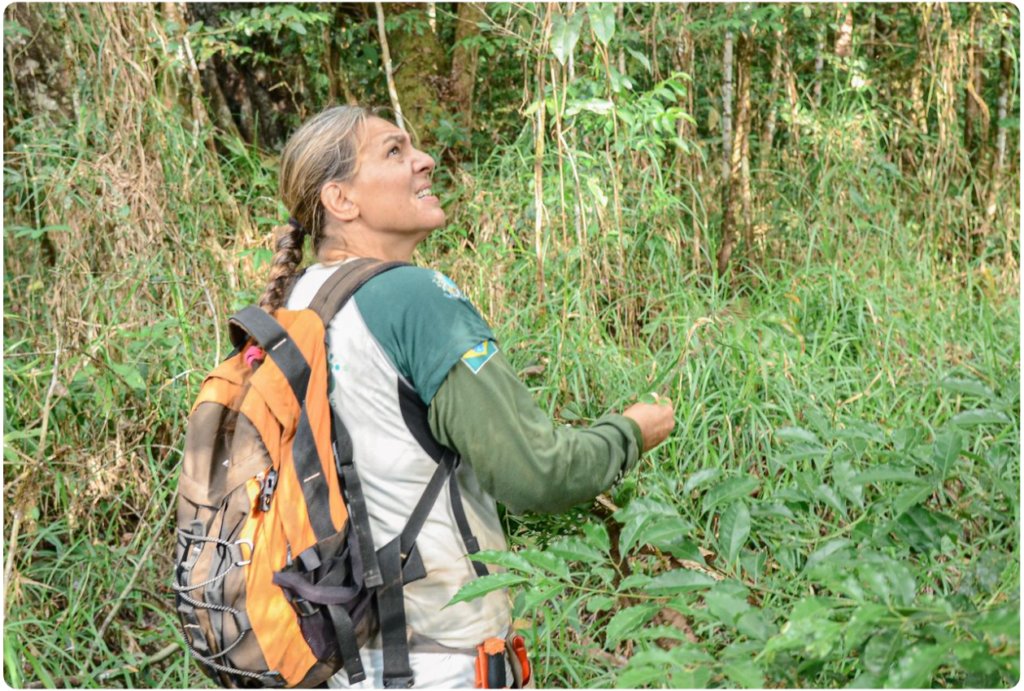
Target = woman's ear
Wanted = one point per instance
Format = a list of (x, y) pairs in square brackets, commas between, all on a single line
[(336, 200)]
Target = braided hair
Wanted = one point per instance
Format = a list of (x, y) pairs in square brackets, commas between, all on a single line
[(323, 150)]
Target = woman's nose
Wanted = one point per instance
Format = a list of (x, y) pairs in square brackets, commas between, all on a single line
[(423, 162)]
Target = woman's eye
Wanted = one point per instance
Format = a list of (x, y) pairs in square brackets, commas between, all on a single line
[(394, 150)]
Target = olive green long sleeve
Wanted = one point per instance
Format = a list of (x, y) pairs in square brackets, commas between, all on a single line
[(518, 456)]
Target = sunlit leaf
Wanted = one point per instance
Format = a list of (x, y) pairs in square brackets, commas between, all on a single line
[(733, 530), (485, 584)]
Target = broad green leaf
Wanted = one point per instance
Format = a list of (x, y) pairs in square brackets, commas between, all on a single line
[(682, 678), (884, 473), (910, 497), (602, 19), (1001, 622), (754, 625), (550, 562), (746, 674), (600, 603), (637, 516), (564, 35), (862, 623), (828, 496), (728, 491), (597, 535), (510, 560), (685, 549), (1010, 395), (915, 667), (980, 416), (534, 597), (922, 529), (825, 552), (664, 532), (907, 438), (634, 580), (12, 661), (640, 57), (842, 473), (699, 478), (679, 581), (130, 374), (865, 680), (945, 451), (881, 650), (733, 530), (599, 106), (974, 656), (969, 387), (797, 434), (724, 606), (486, 584), (576, 549), (640, 676), (629, 620)]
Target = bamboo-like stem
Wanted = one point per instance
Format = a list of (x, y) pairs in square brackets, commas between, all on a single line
[(819, 68), (11, 552), (768, 135), (538, 168), (727, 107), (388, 71)]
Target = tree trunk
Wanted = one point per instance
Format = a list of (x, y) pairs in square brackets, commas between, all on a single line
[(768, 134), (995, 181), (819, 67), (464, 59), (741, 138), (844, 40), (727, 108), (976, 115), (389, 72), (420, 70)]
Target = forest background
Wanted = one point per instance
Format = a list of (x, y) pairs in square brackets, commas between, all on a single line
[(801, 222)]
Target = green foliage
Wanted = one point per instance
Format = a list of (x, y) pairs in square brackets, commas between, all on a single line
[(839, 503)]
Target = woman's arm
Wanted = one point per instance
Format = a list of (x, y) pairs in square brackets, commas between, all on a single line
[(519, 457)]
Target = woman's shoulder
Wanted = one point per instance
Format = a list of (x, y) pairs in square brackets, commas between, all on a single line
[(415, 287)]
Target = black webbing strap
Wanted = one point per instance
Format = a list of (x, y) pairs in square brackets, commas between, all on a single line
[(419, 514), (343, 284), (414, 413), (391, 611), (345, 633), (310, 473), (468, 538), (276, 342), (390, 597), (358, 513)]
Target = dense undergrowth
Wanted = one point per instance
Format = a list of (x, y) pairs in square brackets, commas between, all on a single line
[(839, 504)]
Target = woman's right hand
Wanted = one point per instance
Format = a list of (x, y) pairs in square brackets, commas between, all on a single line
[(656, 420)]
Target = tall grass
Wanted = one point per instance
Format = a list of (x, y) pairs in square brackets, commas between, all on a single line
[(816, 389)]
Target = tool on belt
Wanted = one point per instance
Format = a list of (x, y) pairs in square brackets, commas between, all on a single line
[(490, 663)]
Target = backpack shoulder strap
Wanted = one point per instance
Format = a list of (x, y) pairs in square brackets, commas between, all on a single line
[(343, 284)]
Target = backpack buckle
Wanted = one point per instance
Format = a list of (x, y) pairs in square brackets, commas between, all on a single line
[(243, 561), (269, 485)]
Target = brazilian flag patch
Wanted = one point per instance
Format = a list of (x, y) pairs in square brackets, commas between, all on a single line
[(475, 358)]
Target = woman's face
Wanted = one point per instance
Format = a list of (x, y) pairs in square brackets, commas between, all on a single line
[(392, 184)]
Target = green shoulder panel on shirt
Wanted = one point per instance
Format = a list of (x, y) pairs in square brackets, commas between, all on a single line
[(424, 323)]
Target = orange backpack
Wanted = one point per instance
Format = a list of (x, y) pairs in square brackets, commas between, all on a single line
[(277, 579)]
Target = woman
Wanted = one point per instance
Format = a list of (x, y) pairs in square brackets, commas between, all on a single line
[(355, 183)]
